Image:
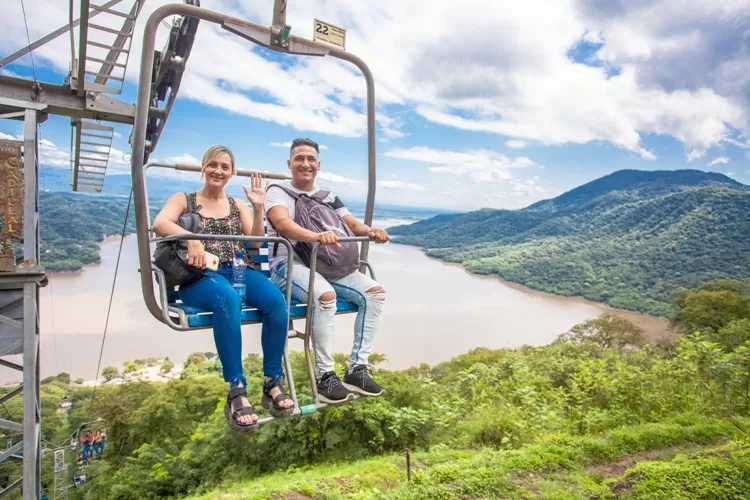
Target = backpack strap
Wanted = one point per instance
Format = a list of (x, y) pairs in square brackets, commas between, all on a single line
[(192, 203), (288, 191), (320, 196), (294, 195)]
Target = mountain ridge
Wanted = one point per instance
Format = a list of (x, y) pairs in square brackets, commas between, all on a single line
[(628, 239)]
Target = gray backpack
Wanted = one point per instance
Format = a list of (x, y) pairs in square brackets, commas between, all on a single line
[(311, 213)]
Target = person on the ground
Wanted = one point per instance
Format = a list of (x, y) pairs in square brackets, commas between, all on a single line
[(222, 214), (356, 287)]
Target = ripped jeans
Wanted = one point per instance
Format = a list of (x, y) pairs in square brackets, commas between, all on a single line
[(352, 288)]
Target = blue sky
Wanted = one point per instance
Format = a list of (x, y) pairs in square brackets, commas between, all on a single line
[(520, 103)]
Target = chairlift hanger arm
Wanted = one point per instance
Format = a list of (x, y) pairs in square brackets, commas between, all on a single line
[(142, 117)]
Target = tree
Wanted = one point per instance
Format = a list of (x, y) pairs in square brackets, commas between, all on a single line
[(209, 355), (607, 330), (167, 366), (130, 367), (110, 373), (708, 309), (195, 358)]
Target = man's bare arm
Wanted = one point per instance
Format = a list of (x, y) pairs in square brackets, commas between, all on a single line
[(279, 216)]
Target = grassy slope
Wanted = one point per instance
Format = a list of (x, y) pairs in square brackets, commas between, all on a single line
[(682, 458)]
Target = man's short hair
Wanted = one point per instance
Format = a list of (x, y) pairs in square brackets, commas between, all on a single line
[(303, 141)]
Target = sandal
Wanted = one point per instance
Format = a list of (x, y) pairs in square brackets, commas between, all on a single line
[(272, 404), (234, 409)]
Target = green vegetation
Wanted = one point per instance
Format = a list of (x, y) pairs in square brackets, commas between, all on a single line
[(628, 239), (596, 414), (73, 225)]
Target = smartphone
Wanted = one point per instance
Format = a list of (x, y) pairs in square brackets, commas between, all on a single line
[(212, 261)]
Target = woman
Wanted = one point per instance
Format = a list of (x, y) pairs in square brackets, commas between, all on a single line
[(222, 214)]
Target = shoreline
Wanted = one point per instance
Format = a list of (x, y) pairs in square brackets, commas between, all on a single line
[(113, 238), (655, 327)]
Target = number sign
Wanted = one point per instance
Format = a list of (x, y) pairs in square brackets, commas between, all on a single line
[(326, 32)]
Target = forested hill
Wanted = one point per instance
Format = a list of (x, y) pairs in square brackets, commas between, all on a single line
[(628, 239)]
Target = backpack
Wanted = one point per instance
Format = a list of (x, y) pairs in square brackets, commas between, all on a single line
[(314, 215)]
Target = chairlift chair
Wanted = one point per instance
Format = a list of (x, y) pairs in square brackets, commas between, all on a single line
[(149, 122)]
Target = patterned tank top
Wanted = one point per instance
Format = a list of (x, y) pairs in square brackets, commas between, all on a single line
[(230, 225)]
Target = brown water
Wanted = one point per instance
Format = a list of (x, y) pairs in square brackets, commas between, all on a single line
[(434, 311)]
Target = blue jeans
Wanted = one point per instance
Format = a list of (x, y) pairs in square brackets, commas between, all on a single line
[(214, 293)]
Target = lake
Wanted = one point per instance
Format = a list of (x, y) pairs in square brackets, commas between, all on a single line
[(434, 311)]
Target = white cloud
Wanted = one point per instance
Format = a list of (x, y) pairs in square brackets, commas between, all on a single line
[(51, 155), (731, 174), (516, 144), (665, 67), (7, 137), (482, 165), (721, 160), (400, 185), (696, 154), (288, 144), (185, 159), (528, 187), (335, 178)]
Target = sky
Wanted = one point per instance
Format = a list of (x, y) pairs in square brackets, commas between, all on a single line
[(478, 104)]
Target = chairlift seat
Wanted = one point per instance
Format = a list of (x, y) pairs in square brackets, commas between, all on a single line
[(195, 317)]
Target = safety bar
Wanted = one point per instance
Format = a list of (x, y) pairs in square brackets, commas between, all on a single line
[(196, 168), (311, 295), (260, 35)]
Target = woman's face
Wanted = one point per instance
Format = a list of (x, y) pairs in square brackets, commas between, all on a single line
[(218, 171)]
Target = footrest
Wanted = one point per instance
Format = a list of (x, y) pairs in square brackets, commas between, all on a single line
[(197, 317)]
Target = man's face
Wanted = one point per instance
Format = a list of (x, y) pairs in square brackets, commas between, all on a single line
[(304, 163)]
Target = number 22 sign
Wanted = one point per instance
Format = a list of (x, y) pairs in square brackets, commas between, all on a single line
[(326, 32)]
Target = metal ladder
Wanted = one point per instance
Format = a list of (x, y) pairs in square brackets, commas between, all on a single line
[(105, 48), (104, 52), (93, 143)]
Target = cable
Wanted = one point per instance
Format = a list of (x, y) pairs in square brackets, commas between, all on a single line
[(28, 37), (111, 295), (49, 284)]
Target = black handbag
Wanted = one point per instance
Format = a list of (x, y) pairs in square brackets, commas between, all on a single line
[(171, 256)]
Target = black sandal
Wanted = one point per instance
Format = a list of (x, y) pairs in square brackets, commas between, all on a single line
[(234, 409), (272, 404)]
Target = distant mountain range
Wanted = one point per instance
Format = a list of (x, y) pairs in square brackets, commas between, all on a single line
[(161, 188), (628, 239)]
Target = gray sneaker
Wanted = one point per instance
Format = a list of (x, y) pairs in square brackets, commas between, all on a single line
[(359, 380), (331, 390)]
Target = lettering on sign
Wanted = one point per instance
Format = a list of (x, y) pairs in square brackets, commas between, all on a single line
[(326, 32), (11, 201)]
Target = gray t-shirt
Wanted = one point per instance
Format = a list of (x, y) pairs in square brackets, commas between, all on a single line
[(275, 197)]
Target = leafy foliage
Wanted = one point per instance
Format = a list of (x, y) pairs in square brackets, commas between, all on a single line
[(629, 239), (486, 424)]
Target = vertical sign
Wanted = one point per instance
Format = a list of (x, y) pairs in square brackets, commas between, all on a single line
[(11, 201)]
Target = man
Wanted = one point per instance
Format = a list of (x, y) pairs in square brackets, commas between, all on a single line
[(356, 287)]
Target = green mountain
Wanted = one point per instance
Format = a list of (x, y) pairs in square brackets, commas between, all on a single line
[(628, 239)]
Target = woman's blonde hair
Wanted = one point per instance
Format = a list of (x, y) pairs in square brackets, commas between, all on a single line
[(211, 153)]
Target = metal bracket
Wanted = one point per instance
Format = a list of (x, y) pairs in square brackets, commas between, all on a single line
[(265, 38)]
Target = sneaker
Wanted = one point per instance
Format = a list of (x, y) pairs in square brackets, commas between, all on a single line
[(331, 390), (358, 379)]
